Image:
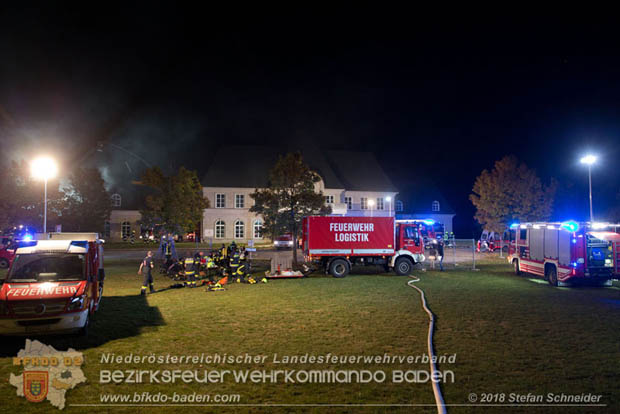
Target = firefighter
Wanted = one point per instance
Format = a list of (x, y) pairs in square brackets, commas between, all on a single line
[(198, 261), (147, 277), (211, 267), (440, 253), (235, 262), (190, 272), (223, 252)]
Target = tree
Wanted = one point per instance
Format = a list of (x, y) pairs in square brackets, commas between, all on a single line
[(177, 202), (290, 197), (511, 192), (21, 201), (86, 204)]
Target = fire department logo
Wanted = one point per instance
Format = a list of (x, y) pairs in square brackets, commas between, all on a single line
[(47, 374), (35, 385)]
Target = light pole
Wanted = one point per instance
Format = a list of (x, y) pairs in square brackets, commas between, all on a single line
[(371, 204), (44, 168), (589, 160), (389, 201)]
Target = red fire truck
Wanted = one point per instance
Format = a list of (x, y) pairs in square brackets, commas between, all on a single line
[(53, 285), (337, 243), (562, 253)]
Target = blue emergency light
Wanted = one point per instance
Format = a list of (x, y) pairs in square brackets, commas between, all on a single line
[(428, 222), (27, 237), (570, 225), (514, 225)]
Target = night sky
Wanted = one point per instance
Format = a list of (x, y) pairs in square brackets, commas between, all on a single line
[(426, 94)]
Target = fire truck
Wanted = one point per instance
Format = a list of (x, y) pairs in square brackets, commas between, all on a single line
[(54, 284), (563, 253), (338, 243)]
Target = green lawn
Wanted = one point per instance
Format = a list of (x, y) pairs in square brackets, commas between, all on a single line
[(509, 333)]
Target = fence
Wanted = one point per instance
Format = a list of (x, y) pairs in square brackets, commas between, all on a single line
[(460, 253)]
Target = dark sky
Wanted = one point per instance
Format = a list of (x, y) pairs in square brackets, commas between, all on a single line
[(428, 95)]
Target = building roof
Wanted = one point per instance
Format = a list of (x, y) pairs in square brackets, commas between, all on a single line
[(360, 171), (249, 166), (418, 196)]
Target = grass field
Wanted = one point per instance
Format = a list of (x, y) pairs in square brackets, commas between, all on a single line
[(510, 335)]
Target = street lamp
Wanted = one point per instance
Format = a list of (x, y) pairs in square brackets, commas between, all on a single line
[(589, 160), (44, 168), (371, 204), (389, 201)]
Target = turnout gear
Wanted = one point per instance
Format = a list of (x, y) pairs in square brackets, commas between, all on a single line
[(147, 277), (190, 272)]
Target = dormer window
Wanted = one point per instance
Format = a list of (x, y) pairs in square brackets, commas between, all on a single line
[(435, 206), (116, 200)]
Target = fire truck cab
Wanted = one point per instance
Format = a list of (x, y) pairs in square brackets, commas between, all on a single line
[(54, 285), (563, 253)]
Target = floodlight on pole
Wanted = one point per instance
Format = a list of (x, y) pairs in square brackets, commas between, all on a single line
[(44, 168), (371, 204), (589, 160), (389, 200)]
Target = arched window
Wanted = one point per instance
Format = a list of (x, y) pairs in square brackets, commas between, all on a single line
[(239, 229), (258, 229), (435, 206), (220, 229), (399, 206), (116, 200), (125, 229)]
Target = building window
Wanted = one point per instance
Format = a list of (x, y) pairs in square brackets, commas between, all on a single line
[(220, 200), (349, 202), (329, 199), (379, 203), (399, 206), (239, 229), (435, 206), (364, 203), (258, 229), (125, 229), (106, 229), (220, 229), (116, 200), (239, 201)]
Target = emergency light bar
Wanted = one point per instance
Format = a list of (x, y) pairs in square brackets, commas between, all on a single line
[(428, 222)]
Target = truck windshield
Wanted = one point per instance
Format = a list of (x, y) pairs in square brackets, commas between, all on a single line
[(47, 268)]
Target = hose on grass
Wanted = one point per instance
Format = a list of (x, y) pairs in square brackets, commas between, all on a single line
[(441, 405)]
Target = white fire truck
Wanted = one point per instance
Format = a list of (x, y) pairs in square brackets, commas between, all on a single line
[(54, 284), (563, 253)]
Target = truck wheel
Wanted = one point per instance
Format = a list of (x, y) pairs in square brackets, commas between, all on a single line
[(339, 268), (403, 266), (4, 263), (552, 276), (516, 266)]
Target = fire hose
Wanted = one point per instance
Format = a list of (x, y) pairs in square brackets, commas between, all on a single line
[(441, 405)]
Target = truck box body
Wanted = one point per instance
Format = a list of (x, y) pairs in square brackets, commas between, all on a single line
[(351, 236)]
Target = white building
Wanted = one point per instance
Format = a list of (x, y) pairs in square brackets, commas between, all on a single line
[(353, 184)]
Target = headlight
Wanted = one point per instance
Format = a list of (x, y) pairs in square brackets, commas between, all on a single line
[(76, 303)]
